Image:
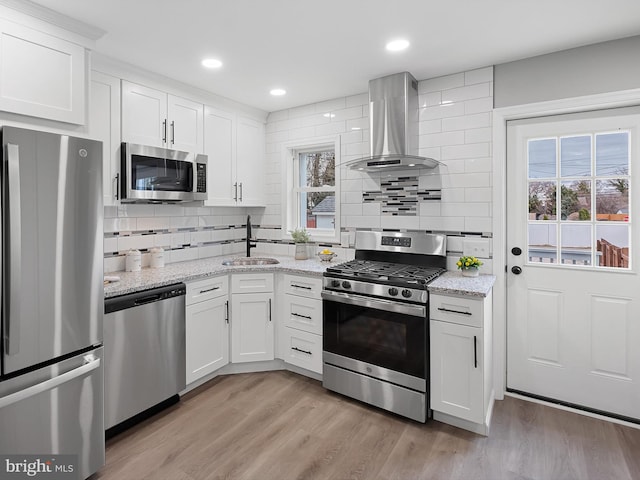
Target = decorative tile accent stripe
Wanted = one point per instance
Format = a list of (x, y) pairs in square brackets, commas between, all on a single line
[(400, 196)]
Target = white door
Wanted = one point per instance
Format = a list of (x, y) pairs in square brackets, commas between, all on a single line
[(144, 115), (252, 333), (573, 309), (207, 337), (250, 145), (185, 124), (220, 148)]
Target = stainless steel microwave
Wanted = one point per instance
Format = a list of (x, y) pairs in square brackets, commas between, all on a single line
[(158, 175)]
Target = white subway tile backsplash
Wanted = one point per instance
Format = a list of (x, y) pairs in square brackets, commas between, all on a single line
[(453, 195), (357, 123), (400, 222), (315, 119), (478, 120), (442, 111), (441, 83), (454, 243), (470, 150), (346, 114), (361, 99), (277, 137), (332, 128), (371, 209), (300, 133), (475, 165), (478, 135), (184, 222), (114, 264), (162, 240), (110, 245), (480, 75), (478, 224), (110, 211), (429, 209), (430, 126), (330, 105), (441, 139), (477, 194), (120, 224), (430, 99), (470, 92), (442, 224), (351, 136), (354, 185), (136, 242), (184, 254), (465, 180), (362, 222), (302, 111), (475, 209), (478, 105), (168, 210), (351, 209)]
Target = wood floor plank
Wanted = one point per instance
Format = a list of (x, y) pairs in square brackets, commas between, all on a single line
[(282, 426)]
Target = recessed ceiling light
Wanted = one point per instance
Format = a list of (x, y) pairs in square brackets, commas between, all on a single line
[(211, 63), (278, 92), (397, 45)]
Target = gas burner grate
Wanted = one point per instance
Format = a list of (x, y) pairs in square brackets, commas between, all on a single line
[(385, 271)]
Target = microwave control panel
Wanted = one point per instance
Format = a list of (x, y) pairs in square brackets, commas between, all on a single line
[(201, 186)]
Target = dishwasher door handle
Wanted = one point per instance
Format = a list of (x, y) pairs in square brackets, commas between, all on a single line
[(145, 300)]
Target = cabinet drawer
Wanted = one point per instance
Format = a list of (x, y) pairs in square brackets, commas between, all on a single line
[(464, 311), (206, 289), (303, 349), (252, 283), (303, 286), (303, 313)]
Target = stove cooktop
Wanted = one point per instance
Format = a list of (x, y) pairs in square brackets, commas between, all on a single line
[(385, 272)]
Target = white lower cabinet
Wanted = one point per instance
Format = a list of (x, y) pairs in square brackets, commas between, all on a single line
[(461, 387), (207, 327), (252, 330), (300, 337)]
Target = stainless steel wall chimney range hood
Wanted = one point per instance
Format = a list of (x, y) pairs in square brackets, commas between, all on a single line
[(393, 119)]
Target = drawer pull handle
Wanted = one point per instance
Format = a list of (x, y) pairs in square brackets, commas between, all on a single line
[(300, 350), (301, 316), (453, 311), (209, 290), (300, 286)]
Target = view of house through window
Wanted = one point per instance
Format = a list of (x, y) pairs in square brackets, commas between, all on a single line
[(579, 191), (315, 192)]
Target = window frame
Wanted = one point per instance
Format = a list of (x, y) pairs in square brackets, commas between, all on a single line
[(291, 188)]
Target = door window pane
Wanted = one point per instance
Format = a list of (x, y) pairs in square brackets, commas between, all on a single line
[(575, 156), (542, 158), (576, 244), (542, 200), (612, 154), (575, 198), (613, 245), (543, 242), (612, 200)]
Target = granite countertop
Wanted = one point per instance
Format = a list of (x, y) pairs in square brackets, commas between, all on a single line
[(453, 283), (207, 267)]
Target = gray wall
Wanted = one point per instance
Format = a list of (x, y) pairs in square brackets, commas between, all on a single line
[(599, 68)]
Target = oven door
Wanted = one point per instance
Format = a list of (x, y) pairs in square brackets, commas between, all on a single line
[(384, 333)]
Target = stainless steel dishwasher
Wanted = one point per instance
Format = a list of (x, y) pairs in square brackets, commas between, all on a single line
[(144, 342)]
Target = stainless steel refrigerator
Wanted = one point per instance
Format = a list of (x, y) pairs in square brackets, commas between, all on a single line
[(51, 382)]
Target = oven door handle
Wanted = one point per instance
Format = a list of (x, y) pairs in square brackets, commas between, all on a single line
[(386, 305)]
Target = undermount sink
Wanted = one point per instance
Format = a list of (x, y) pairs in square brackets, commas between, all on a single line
[(238, 262)]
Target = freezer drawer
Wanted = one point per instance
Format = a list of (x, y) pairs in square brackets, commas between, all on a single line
[(56, 410)]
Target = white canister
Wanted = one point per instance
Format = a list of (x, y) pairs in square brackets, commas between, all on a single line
[(157, 257), (133, 261)]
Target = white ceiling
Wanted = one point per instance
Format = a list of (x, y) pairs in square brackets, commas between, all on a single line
[(330, 48)]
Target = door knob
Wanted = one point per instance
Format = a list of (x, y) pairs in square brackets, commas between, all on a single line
[(516, 270), (516, 251)]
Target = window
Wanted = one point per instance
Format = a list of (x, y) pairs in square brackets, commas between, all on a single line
[(579, 191), (313, 196)]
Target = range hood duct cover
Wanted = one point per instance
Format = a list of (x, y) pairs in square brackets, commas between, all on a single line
[(393, 126)]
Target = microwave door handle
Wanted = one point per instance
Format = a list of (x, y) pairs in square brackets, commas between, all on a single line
[(13, 249), (395, 307)]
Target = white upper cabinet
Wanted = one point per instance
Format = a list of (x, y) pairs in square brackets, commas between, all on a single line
[(41, 75), (155, 118), (104, 125), (220, 148), (235, 147)]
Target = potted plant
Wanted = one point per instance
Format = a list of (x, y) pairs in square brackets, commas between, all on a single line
[(300, 237), (469, 266)]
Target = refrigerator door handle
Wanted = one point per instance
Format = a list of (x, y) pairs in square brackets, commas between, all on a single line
[(12, 302), (92, 364)]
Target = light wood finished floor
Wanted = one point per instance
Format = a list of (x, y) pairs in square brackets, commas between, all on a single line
[(281, 426)]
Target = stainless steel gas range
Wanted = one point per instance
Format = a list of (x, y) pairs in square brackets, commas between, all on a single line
[(375, 321)]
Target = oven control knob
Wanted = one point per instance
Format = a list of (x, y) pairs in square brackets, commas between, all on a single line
[(393, 292), (346, 284), (406, 293), (335, 283)]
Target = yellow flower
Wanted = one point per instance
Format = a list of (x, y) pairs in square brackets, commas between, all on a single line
[(468, 263), (459, 263)]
